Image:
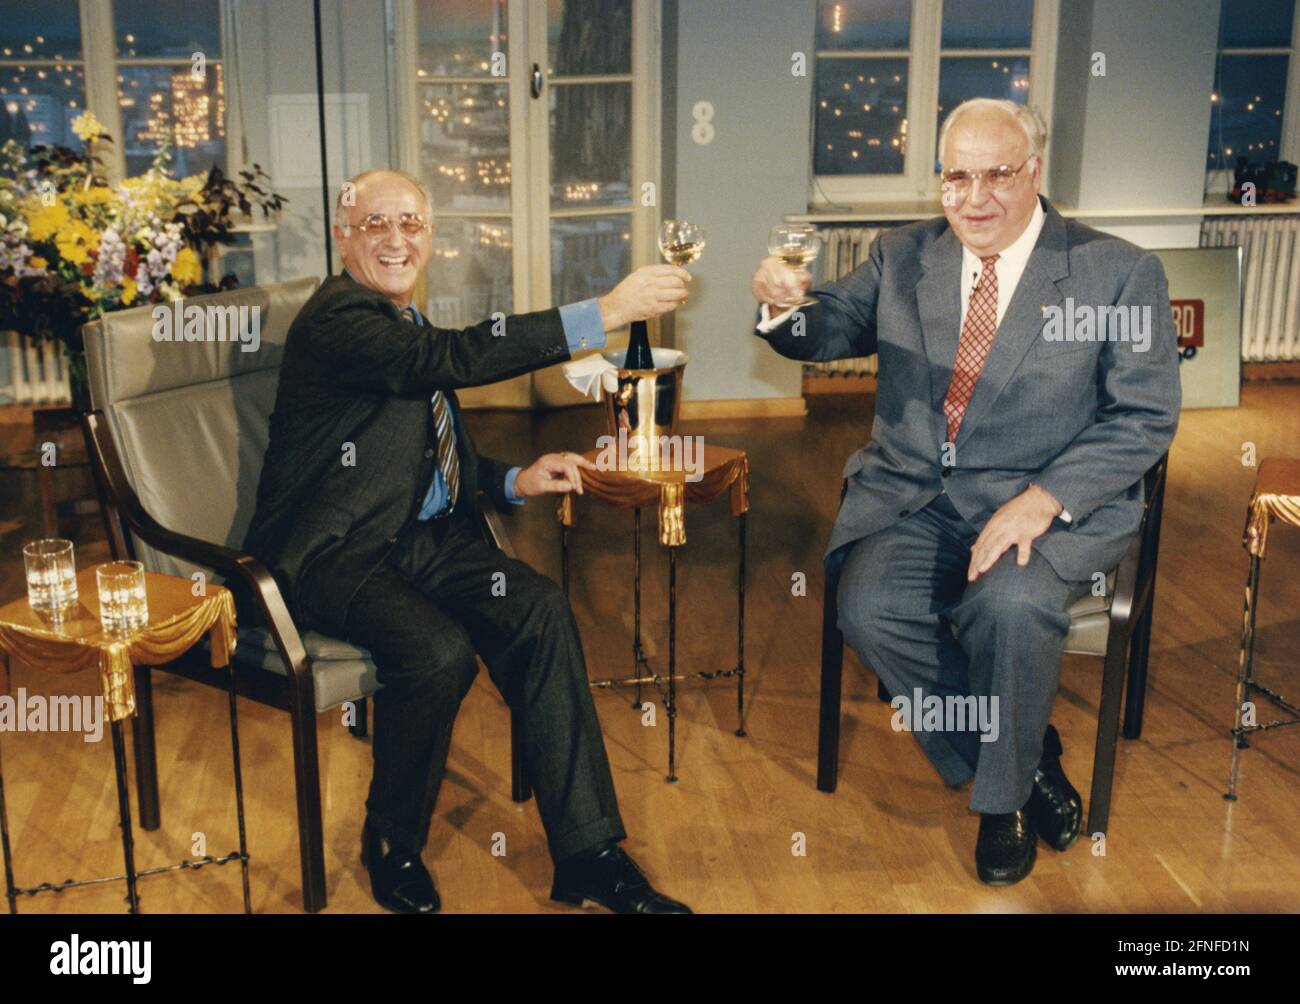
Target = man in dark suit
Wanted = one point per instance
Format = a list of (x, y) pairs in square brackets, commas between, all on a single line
[(367, 512), (1003, 476)]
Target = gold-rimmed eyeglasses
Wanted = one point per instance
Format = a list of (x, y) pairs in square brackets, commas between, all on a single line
[(997, 179), (378, 225)]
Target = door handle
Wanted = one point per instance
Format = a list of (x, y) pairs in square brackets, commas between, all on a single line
[(537, 81)]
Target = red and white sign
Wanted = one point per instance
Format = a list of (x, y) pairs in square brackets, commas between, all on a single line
[(1189, 322)]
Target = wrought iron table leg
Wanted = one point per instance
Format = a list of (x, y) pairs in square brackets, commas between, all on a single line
[(124, 814), (638, 656), (740, 636), (1245, 671), (146, 754), (239, 787), (672, 665)]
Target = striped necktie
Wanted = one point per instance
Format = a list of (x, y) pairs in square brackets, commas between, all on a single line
[(973, 346), (448, 461)]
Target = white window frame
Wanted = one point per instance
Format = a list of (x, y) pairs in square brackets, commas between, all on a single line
[(47, 63), (1219, 180), (100, 61), (530, 210), (918, 180)]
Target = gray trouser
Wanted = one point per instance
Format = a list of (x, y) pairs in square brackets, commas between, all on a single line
[(909, 613)]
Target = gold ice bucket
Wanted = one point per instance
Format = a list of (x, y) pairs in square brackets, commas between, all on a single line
[(645, 405)]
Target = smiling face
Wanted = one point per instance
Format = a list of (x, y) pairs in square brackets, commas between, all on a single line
[(390, 263), (989, 222)]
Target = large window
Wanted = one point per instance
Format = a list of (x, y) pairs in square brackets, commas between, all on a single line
[(42, 78), (170, 82), (522, 126), (888, 72), (152, 71), (1248, 106)]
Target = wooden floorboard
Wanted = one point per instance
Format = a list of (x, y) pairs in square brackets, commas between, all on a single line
[(892, 839)]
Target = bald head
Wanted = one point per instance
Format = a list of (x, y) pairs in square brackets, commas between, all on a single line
[(382, 175), (386, 260)]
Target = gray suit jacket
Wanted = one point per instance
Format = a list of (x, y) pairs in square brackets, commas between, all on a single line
[(1083, 419)]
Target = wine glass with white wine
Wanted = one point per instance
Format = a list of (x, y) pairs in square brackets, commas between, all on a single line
[(680, 242), (796, 244)]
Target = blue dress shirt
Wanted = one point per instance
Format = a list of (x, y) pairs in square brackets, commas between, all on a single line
[(583, 329)]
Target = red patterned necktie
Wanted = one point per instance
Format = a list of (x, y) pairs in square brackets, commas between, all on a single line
[(973, 347), (448, 461)]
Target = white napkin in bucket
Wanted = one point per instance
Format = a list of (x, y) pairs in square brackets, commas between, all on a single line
[(591, 375)]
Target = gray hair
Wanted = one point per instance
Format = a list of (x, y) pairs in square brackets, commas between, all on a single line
[(1028, 120), (355, 182)]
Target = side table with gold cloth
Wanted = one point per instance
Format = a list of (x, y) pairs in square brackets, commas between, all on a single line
[(1276, 497), (724, 470), (177, 621)]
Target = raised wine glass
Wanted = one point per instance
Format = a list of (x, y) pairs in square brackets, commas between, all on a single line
[(680, 242), (796, 244)]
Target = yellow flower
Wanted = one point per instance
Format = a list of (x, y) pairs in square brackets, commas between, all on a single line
[(44, 222), (128, 291), (36, 261), (74, 253), (186, 269), (193, 184), (87, 127), (75, 241), (96, 196)]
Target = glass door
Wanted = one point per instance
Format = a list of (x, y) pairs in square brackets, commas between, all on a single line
[(560, 87), (462, 143), (584, 210)]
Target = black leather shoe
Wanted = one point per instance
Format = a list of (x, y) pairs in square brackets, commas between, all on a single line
[(1007, 846), (612, 879), (1055, 805), (398, 879)]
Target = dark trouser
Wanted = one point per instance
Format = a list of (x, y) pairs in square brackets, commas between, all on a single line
[(908, 611), (443, 595)]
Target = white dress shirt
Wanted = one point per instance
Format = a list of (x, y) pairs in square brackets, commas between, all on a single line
[(1009, 267)]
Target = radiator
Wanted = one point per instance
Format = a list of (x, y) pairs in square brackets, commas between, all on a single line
[(38, 374), (1270, 284), (846, 249)]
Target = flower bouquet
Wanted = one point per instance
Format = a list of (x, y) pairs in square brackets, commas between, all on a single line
[(72, 247)]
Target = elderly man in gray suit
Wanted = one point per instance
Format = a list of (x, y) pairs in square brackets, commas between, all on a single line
[(1004, 469)]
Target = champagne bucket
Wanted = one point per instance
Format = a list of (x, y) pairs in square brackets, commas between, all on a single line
[(646, 404)]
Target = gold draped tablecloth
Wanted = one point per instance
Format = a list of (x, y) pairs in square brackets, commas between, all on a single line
[(177, 619), (1277, 496), (723, 469)]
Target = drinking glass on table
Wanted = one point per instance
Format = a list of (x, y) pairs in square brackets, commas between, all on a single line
[(122, 603), (51, 577), (796, 244)]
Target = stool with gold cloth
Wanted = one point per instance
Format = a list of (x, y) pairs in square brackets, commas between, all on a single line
[(1276, 497), (642, 415), (178, 620)]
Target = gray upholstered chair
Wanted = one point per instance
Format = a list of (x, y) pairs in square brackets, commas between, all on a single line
[(176, 440), (1116, 627)]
